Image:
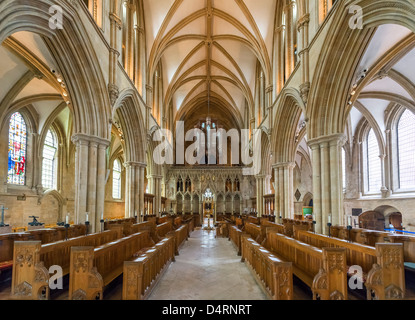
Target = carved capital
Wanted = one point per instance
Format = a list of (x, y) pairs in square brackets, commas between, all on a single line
[(113, 93)]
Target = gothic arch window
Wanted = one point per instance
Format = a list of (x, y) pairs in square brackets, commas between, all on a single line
[(116, 180), (188, 184), (237, 185), (49, 163), (180, 185), (406, 150), (373, 167), (16, 173), (228, 185)]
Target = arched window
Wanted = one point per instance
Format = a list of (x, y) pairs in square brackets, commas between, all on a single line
[(49, 165), (406, 150), (16, 173), (116, 180), (374, 171)]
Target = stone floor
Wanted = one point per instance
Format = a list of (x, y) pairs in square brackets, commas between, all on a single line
[(207, 269)]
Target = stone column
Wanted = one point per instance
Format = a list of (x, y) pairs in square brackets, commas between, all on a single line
[(141, 190), (89, 178), (290, 37), (134, 189), (260, 194), (156, 191), (279, 60), (284, 193), (149, 103), (129, 41), (114, 54), (303, 54), (327, 180), (268, 98)]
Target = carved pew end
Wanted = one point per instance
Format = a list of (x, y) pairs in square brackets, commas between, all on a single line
[(30, 278), (85, 283)]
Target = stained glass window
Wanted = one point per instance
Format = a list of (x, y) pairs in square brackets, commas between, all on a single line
[(16, 173), (116, 180), (406, 150), (208, 194), (49, 163), (374, 171)]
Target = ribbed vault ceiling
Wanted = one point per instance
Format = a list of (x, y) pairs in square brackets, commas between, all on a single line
[(209, 46)]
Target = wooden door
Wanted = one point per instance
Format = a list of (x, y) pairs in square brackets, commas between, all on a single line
[(372, 220)]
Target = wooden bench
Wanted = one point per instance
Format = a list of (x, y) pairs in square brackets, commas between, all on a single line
[(323, 270), (92, 269), (142, 274), (386, 260), (274, 275), (32, 260), (180, 235), (253, 220), (408, 242), (269, 224), (163, 229), (161, 220), (254, 231), (7, 241), (235, 236), (43, 235)]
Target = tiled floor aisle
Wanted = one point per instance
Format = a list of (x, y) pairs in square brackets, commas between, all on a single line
[(207, 268)]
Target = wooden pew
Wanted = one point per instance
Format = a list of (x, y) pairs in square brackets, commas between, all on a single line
[(163, 229), (25, 275), (356, 253), (180, 235), (7, 245), (363, 236), (177, 222), (197, 220), (222, 229), (253, 220), (92, 269), (323, 270), (371, 237), (141, 274), (408, 245), (274, 275), (254, 231), (235, 236), (43, 235), (386, 280), (239, 222), (161, 220), (368, 258)]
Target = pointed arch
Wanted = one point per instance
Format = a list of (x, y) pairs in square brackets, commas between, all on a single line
[(284, 141), (328, 106), (88, 94), (128, 109)]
